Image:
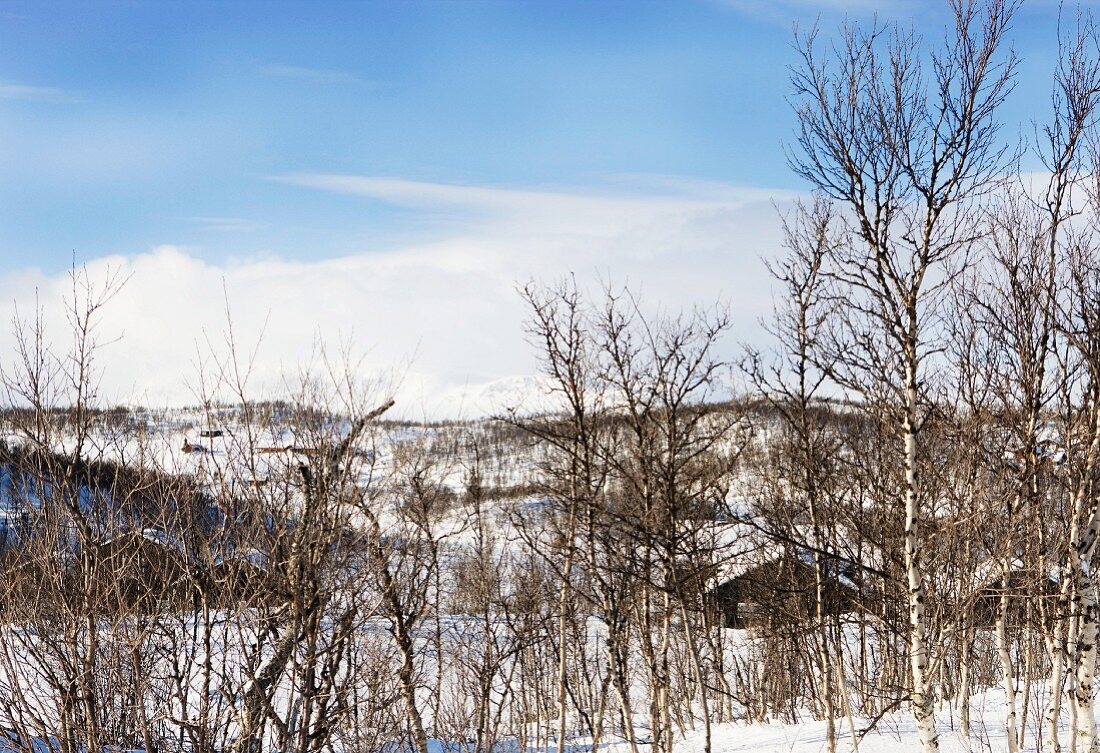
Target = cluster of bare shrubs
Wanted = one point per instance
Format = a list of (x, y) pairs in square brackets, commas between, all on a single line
[(952, 304)]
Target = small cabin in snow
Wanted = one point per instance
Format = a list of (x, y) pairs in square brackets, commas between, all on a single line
[(142, 567), (241, 576), (782, 589), (1022, 590)]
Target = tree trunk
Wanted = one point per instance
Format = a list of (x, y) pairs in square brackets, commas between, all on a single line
[(965, 670), (1086, 668), (922, 699), (700, 679), (1004, 654)]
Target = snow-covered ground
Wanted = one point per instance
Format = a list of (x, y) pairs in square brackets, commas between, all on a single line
[(894, 732), (162, 440)]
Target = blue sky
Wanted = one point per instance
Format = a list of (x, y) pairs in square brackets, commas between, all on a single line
[(158, 118), (128, 124), (250, 133)]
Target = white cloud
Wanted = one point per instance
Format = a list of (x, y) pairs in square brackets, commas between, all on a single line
[(25, 92), (450, 306), (315, 75)]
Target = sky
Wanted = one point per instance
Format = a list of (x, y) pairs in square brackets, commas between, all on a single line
[(384, 174)]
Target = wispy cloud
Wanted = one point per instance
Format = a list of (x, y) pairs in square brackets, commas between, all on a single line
[(450, 304), (11, 90), (554, 210), (316, 75)]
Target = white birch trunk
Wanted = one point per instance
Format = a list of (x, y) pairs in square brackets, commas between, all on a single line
[(923, 702), (1082, 549), (825, 684), (1086, 669), (1071, 641), (1055, 640), (563, 647), (1056, 650), (1004, 654), (964, 686)]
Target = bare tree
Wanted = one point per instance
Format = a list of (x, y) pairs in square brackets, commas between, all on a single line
[(906, 142), (794, 383)]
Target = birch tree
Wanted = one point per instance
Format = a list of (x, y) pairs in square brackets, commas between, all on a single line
[(794, 384), (905, 139)]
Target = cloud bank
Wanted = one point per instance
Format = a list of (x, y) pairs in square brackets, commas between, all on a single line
[(445, 315)]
